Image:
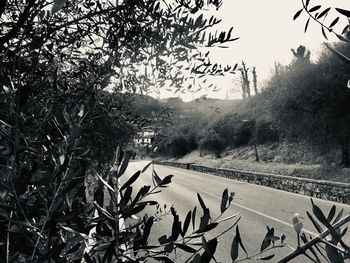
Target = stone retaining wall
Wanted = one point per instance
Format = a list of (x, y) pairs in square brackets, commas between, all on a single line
[(333, 191)]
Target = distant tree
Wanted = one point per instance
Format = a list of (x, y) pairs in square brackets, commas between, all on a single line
[(301, 55), (255, 80), (245, 83), (213, 143)]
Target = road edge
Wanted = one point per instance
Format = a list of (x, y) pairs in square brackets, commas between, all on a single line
[(327, 190)]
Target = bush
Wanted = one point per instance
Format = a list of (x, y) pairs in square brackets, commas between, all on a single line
[(243, 134), (225, 127), (265, 132), (178, 145), (213, 143)]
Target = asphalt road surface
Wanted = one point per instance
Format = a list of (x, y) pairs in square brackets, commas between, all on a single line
[(258, 207)]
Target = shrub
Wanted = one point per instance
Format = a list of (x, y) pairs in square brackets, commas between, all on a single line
[(243, 134), (213, 143), (178, 145), (265, 132), (225, 128)]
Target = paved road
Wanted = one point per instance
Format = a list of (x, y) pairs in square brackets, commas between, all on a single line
[(258, 206)]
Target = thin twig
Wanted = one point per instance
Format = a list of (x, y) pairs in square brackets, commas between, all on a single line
[(8, 240), (49, 211)]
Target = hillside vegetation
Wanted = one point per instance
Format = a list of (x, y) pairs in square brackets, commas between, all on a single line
[(300, 117)]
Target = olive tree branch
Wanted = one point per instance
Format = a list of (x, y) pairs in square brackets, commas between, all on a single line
[(302, 249)]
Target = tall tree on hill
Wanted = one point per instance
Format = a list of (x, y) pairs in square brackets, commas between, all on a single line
[(301, 55), (245, 83)]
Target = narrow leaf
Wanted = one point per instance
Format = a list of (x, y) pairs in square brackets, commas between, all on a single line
[(103, 211), (209, 248), (346, 28), (147, 229), (146, 167), (201, 202), (164, 259), (105, 183), (166, 180), (207, 228), (267, 257), (343, 12), (224, 200), (297, 14), (335, 21), (331, 214), (234, 248), (314, 222), (186, 223), (185, 247), (227, 218), (321, 217), (194, 217), (324, 33), (157, 180), (306, 25), (134, 211), (333, 255), (124, 165), (315, 8), (323, 13), (131, 180)]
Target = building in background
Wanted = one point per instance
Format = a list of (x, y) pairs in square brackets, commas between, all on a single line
[(144, 138)]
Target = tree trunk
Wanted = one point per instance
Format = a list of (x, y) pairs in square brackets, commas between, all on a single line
[(245, 81), (255, 81)]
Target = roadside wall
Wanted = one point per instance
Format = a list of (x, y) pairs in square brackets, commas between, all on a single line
[(333, 191)]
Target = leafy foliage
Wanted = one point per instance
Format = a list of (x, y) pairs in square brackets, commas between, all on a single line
[(178, 145), (212, 143), (59, 125), (60, 122), (318, 14), (310, 105)]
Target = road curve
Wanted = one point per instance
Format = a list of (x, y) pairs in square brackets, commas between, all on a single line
[(258, 207)]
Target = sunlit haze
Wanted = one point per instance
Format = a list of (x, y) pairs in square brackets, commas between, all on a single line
[(267, 34)]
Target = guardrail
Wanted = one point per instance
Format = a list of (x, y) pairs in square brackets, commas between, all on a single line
[(333, 191)]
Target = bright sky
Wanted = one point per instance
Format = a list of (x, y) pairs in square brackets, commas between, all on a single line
[(267, 34)]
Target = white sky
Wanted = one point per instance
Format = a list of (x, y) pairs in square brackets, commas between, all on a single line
[(267, 33)]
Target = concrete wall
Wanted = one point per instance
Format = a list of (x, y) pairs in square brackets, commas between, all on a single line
[(334, 191)]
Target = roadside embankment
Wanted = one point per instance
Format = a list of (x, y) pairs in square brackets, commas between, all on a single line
[(333, 191)]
